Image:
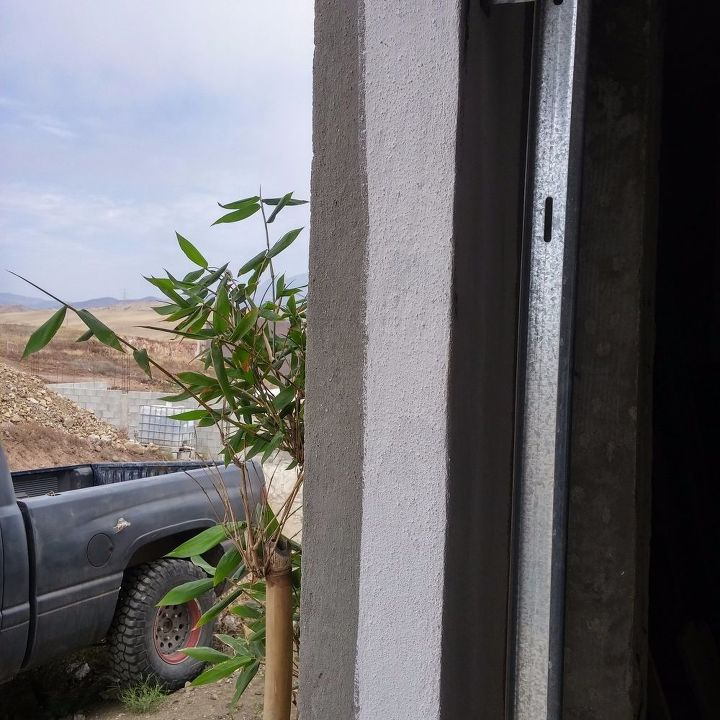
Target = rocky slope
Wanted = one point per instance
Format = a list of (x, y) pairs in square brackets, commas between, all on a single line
[(39, 428)]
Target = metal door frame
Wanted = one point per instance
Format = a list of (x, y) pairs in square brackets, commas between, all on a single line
[(544, 367)]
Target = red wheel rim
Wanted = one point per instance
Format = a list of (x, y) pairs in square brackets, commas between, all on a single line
[(174, 628)]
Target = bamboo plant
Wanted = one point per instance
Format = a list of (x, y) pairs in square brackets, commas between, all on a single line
[(251, 324)]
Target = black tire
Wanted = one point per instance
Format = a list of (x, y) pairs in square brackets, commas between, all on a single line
[(144, 639)]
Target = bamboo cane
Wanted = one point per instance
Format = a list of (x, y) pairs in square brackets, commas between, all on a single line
[(278, 637)]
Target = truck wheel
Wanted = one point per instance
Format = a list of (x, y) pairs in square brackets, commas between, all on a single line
[(145, 640)]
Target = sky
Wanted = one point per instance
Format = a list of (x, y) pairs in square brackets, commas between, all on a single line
[(122, 121)]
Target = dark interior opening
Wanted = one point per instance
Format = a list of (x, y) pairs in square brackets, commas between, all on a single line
[(684, 622)]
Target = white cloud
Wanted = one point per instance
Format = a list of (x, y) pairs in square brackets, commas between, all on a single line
[(139, 50), (51, 125), (95, 245), (123, 120)]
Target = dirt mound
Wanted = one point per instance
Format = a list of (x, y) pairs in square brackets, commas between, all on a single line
[(39, 428), (24, 398), (29, 446)]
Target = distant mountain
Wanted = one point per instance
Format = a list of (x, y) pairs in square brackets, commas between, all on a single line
[(32, 303), (24, 301), (110, 301)]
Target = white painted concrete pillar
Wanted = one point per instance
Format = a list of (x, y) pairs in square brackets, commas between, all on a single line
[(410, 136), (413, 277)]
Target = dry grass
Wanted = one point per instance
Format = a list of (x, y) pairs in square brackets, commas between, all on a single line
[(65, 360), (123, 319)]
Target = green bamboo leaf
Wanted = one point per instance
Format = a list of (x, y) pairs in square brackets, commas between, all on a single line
[(191, 277), (196, 379), (257, 447), (168, 309), (275, 201), (192, 253), (222, 670), (201, 335), (269, 314), (238, 645), (198, 324), (188, 313), (270, 520), (189, 415), (245, 611), (206, 654), (167, 287), (85, 336), (280, 285), (217, 608), (259, 633), (203, 564), (273, 446), (187, 591), (243, 212), (257, 590), (142, 359), (283, 202), (244, 679), (284, 398), (204, 541), (246, 322), (212, 277), (227, 565), (240, 203), (101, 331), (253, 263), (176, 398), (221, 311), (45, 333), (218, 363), (284, 242)]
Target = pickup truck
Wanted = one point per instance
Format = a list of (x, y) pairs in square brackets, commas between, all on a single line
[(82, 558)]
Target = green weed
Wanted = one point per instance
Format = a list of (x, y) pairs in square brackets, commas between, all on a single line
[(142, 698)]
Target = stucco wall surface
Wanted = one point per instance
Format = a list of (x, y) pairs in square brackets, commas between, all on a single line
[(333, 412), (411, 81), (409, 421)]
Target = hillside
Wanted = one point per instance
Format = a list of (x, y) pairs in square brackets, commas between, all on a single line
[(26, 302), (38, 428)]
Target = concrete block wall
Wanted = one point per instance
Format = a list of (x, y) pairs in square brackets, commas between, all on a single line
[(122, 409)]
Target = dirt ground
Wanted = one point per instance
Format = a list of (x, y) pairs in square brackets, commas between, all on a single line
[(66, 360), (210, 701), (80, 688), (29, 446), (124, 319)]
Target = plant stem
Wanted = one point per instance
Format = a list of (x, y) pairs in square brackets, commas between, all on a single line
[(279, 637), (267, 243)]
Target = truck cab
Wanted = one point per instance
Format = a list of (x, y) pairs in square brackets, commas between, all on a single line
[(14, 579)]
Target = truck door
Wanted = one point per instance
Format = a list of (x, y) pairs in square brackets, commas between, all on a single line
[(14, 579)]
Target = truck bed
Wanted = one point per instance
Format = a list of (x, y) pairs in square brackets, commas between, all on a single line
[(52, 481), (69, 534)]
